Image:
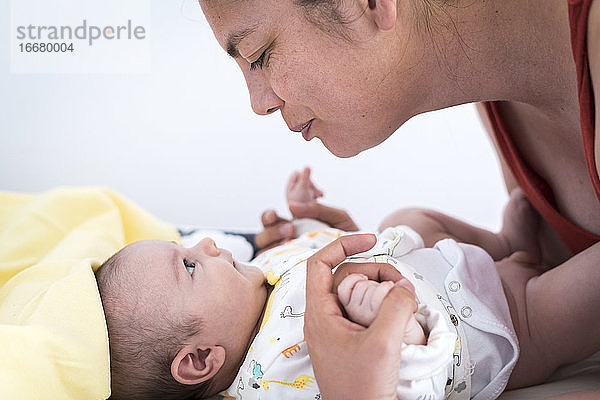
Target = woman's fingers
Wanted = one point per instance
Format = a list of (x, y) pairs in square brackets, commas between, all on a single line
[(319, 279), (340, 349), (406, 284), (391, 320), (323, 317), (374, 271)]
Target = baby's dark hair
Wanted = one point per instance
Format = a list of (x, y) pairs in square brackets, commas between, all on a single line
[(141, 353)]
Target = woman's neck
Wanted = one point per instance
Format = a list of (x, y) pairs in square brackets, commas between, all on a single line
[(514, 50)]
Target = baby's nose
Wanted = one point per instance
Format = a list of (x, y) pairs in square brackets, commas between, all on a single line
[(209, 247)]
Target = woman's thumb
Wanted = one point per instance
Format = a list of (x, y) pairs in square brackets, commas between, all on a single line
[(396, 310)]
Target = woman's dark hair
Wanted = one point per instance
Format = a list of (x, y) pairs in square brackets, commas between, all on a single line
[(327, 15), (330, 16), (140, 353)]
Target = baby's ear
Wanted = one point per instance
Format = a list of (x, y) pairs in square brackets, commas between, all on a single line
[(194, 365)]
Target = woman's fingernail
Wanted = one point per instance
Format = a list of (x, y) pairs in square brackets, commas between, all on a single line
[(403, 283), (286, 230)]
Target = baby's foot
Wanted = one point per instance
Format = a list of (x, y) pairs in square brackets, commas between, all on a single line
[(301, 189), (521, 224)]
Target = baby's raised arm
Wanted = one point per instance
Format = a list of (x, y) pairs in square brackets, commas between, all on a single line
[(362, 298)]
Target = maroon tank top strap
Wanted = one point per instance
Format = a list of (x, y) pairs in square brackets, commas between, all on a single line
[(537, 190), (578, 18)]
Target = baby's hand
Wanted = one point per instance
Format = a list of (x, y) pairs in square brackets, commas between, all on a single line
[(362, 299), (301, 189)]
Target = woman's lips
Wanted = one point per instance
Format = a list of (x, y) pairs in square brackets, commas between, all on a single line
[(306, 130)]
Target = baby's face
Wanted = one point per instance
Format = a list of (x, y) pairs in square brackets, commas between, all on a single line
[(200, 282)]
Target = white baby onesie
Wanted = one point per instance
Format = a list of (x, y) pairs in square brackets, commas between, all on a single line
[(277, 365)]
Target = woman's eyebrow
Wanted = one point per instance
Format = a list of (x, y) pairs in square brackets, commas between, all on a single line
[(234, 39)]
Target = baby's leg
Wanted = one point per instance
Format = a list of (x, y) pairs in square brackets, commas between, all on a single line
[(519, 230), (555, 314), (434, 226)]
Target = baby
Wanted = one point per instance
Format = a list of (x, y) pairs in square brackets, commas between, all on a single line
[(193, 322)]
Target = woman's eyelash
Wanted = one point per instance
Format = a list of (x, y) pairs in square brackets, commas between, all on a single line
[(259, 62), (189, 265)]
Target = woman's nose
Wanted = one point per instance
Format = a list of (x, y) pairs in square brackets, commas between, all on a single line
[(208, 246), (262, 97)]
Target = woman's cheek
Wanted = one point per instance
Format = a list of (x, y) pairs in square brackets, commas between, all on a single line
[(288, 84)]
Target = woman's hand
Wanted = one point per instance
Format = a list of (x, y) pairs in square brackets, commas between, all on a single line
[(350, 361)]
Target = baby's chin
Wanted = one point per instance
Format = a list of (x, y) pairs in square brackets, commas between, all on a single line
[(250, 272)]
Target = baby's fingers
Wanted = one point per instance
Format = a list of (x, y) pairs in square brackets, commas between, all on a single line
[(316, 191), (270, 218), (276, 230), (378, 294), (346, 287)]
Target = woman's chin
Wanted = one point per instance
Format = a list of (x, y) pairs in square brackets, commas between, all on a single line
[(341, 149)]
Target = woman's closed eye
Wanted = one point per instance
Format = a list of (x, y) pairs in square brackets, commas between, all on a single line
[(190, 266), (259, 61)]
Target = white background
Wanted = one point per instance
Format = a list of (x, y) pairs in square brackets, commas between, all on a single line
[(182, 141)]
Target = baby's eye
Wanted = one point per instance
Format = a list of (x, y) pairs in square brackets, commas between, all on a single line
[(189, 265)]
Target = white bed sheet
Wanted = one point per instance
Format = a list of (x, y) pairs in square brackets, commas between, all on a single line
[(578, 377)]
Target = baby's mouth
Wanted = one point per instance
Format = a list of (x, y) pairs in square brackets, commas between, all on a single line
[(238, 266)]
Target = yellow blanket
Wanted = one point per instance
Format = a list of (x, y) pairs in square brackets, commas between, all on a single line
[(53, 337)]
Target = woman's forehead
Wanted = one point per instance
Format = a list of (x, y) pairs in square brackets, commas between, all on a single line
[(232, 19)]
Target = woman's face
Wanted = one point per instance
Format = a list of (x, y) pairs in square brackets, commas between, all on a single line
[(351, 94)]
